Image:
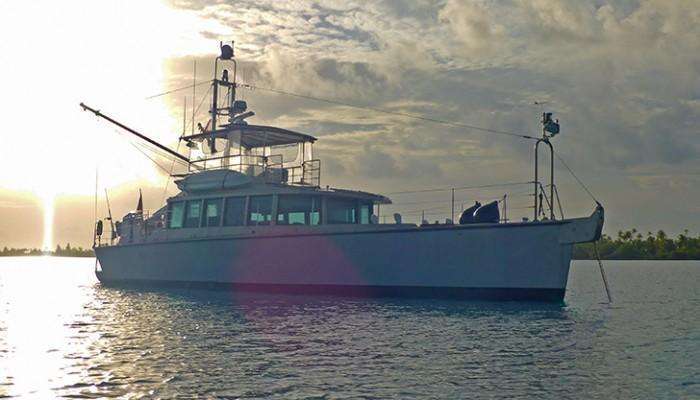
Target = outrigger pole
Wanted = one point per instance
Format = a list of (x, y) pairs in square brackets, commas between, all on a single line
[(135, 133)]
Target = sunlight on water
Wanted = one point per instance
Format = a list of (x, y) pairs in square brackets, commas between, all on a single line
[(64, 335), (40, 306)]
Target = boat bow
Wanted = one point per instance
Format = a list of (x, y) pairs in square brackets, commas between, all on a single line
[(583, 230)]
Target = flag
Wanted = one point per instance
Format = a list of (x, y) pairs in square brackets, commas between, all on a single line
[(139, 206)]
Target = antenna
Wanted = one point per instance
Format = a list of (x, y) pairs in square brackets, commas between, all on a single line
[(111, 222), (194, 90), (184, 116)]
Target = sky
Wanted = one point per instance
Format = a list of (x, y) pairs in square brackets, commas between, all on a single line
[(623, 77)]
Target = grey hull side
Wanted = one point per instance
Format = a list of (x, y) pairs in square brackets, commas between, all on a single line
[(513, 261)]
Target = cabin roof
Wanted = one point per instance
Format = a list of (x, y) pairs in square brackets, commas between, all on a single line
[(377, 198), (214, 182), (259, 189), (253, 136)]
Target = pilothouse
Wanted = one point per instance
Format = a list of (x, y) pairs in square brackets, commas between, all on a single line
[(278, 155)]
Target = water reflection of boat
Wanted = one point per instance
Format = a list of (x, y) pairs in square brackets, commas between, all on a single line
[(252, 215)]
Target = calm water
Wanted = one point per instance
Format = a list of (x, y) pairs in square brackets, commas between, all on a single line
[(62, 335)]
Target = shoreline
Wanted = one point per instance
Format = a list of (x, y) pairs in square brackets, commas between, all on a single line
[(573, 259)]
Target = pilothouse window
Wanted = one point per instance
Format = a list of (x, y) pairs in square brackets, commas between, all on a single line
[(194, 213), (177, 214), (341, 211), (235, 211), (212, 212), (298, 210), (260, 210), (366, 211)]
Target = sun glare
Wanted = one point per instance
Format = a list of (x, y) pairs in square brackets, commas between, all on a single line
[(108, 54), (48, 209)]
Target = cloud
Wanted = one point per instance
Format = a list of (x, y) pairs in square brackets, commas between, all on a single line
[(474, 26), (617, 71), (622, 76)]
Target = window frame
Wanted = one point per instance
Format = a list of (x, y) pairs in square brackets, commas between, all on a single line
[(370, 212), (315, 205), (355, 208), (204, 223), (171, 206), (244, 211), (249, 210), (187, 214)]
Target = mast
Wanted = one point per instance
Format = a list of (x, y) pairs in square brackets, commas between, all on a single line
[(226, 55), (215, 97)]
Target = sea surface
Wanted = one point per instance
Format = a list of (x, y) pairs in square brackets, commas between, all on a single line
[(63, 335)]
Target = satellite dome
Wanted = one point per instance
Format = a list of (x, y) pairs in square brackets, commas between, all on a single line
[(226, 52)]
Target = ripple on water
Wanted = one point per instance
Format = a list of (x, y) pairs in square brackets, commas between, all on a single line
[(75, 339)]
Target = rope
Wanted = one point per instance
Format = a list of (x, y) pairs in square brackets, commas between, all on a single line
[(200, 105), (177, 90), (576, 177), (463, 188), (144, 153), (440, 207), (170, 174), (400, 204), (602, 271), (150, 158), (389, 112), (162, 153)]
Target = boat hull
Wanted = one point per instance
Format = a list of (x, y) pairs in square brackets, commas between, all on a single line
[(528, 261), (411, 292)]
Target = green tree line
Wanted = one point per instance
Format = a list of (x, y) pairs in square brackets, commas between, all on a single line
[(632, 245), (66, 251), (628, 245)]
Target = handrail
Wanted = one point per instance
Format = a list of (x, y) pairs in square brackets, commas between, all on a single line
[(561, 210), (241, 156), (549, 202), (306, 173), (536, 181)]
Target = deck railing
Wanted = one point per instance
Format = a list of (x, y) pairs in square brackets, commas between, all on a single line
[(273, 167)]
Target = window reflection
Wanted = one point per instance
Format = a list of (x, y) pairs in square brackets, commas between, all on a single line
[(194, 213), (212, 212), (298, 210), (177, 214), (366, 211), (341, 211), (260, 210)]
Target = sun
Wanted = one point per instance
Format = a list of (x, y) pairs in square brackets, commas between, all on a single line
[(110, 54), (48, 210)]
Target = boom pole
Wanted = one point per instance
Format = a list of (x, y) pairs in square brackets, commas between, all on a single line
[(135, 133)]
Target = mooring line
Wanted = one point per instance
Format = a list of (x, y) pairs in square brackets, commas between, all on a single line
[(602, 271)]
